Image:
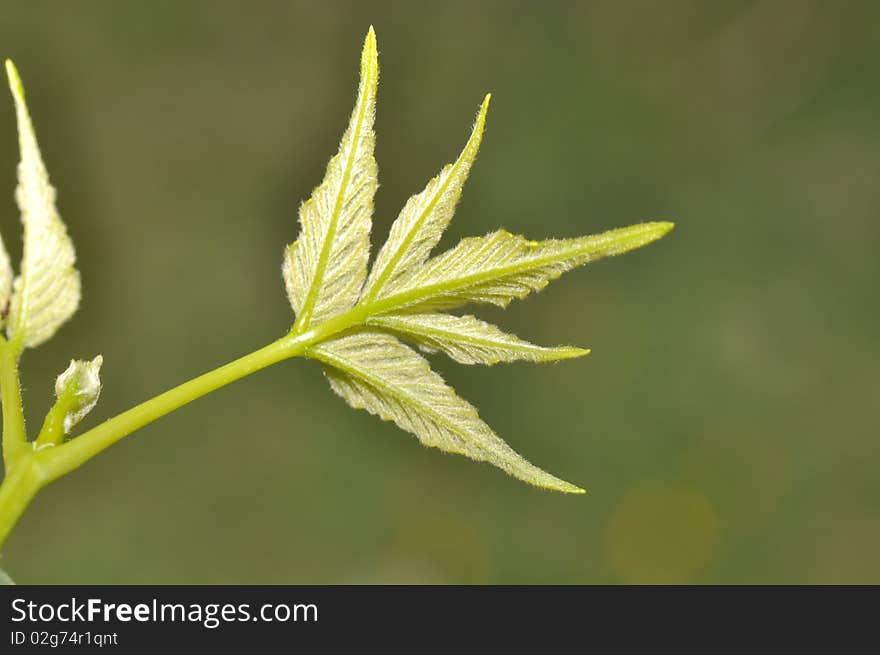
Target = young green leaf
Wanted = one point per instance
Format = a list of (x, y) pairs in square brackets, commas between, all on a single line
[(500, 266), (324, 269), (47, 291), (324, 273), (76, 393), (372, 370), (469, 340), (77, 390), (422, 221)]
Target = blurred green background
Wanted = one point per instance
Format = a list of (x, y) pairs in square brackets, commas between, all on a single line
[(726, 422)]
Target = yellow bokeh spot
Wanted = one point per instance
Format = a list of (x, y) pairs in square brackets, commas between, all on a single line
[(661, 533)]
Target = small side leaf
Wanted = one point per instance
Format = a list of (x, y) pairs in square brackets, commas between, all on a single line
[(372, 370), (47, 291), (469, 340), (422, 220), (5, 579), (77, 391), (501, 266), (6, 275), (325, 268)]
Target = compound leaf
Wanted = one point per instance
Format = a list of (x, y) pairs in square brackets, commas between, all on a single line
[(351, 322)]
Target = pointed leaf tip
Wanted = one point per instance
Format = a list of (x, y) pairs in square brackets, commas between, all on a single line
[(369, 54), (564, 487), (664, 227), (14, 80), (480, 122)]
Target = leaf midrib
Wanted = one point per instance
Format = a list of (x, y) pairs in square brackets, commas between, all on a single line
[(435, 333), (305, 316), (360, 314), (428, 291)]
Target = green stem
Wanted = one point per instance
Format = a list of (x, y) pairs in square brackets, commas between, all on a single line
[(19, 487), (59, 460), (52, 432), (36, 467), (14, 439)]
